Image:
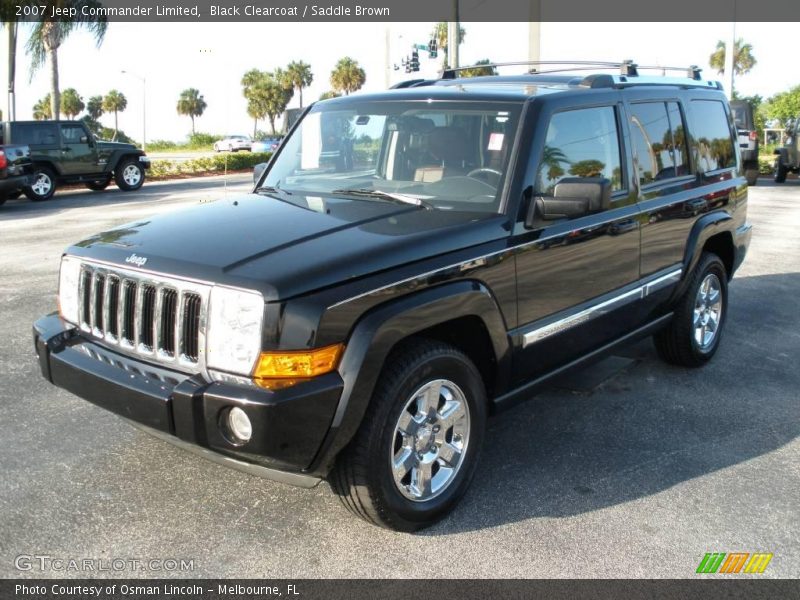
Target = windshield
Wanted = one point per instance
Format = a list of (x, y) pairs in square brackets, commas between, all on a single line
[(451, 155)]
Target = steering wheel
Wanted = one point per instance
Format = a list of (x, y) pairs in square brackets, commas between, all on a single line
[(487, 175)]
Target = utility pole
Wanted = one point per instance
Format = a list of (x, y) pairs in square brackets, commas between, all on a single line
[(453, 38), (7, 73), (730, 51), (535, 32)]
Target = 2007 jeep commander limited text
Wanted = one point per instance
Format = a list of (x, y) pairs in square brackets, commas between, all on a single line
[(409, 262)]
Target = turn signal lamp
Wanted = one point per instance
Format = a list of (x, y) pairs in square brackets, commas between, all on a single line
[(298, 364)]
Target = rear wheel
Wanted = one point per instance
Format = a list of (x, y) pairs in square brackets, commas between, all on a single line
[(751, 174), (43, 186), (99, 185), (415, 453), (129, 175), (780, 171), (693, 335)]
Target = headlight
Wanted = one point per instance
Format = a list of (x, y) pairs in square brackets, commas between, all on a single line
[(68, 279), (233, 343)]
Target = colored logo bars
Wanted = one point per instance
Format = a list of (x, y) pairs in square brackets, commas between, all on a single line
[(734, 562)]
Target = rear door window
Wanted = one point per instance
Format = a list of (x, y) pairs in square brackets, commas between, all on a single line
[(581, 143), (659, 141), (43, 134), (713, 140)]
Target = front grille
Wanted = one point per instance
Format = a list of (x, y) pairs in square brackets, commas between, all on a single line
[(159, 318)]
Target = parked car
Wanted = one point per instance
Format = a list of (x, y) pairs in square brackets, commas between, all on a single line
[(16, 170), (408, 263), (266, 144), (748, 138), (67, 152), (787, 158), (233, 143)]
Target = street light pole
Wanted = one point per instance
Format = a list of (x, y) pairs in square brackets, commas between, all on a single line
[(144, 107)]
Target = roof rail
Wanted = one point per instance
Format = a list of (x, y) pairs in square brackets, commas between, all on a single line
[(627, 68)]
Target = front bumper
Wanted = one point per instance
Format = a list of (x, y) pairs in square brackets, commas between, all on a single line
[(289, 425)]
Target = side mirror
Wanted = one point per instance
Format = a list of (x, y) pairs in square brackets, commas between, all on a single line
[(258, 171), (573, 197)]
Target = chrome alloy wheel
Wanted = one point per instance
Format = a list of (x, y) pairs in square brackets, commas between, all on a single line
[(430, 440), (131, 174), (42, 185), (707, 311)]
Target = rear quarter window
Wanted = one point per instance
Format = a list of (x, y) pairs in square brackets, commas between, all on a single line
[(35, 134), (714, 147)]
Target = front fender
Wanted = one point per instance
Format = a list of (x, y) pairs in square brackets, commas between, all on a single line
[(374, 336)]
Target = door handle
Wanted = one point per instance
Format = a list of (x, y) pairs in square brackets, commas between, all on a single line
[(698, 204)]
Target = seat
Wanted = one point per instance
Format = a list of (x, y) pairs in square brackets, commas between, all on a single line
[(447, 155)]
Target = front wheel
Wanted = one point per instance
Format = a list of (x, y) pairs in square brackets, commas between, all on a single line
[(129, 175), (752, 176), (43, 186), (415, 453), (692, 336)]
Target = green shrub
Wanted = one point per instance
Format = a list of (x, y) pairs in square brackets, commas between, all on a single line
[(165, 168), (197, 140)]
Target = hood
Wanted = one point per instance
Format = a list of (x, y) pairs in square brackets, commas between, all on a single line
[(287, 247), (104, 145)]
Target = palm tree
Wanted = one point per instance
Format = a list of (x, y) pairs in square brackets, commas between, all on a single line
[(48, 35), (329, 94), (347, 76), (479, 69), (300, 75), (42, 109), (94, 106), (743, 59), (71, 103), (115, 102), (191, 104), (439, 33)]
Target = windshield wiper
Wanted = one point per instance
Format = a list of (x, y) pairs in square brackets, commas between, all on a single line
[(272, 190), (404, 198)]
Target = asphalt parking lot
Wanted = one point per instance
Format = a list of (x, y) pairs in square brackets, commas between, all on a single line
[(631, 469)]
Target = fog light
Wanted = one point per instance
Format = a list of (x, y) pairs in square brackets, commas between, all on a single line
[(239, 425)]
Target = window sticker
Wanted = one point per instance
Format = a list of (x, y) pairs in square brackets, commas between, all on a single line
[(495, 141)]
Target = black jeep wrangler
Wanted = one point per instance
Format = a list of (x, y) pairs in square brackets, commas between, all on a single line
[(67, 152), (408, 263)]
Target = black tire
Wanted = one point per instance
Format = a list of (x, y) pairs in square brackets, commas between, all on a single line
[(44, 185), (752, 176), (99, 185), (3, 198), (780, 171), (122, 176), (677, 344), (362, 477)]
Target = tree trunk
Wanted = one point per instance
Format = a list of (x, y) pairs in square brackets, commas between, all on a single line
[(300, 89), (192, 118), (255, 128), (116, 128), (272, 123), (55, 94)]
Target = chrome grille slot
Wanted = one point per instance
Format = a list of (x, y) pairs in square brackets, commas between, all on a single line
[(98, 293), (147, 319), (112, 307), (128, 304), (191, 326), (166, 334), (156, 317)]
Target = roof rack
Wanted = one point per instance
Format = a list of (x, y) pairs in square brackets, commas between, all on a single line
[(627, 69)]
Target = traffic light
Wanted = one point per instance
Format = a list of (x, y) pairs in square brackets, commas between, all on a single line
[(432, 48), (414, 62)]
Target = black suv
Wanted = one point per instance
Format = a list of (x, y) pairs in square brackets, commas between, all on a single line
[(787, 157), (67, 152), (409, 262)]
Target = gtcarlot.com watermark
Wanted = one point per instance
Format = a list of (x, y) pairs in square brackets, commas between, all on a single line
[(61, 564)]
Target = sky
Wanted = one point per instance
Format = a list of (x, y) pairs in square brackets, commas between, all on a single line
[(212, 57)]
